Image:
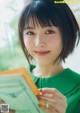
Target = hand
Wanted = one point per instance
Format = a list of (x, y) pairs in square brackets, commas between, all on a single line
[(55, 102)]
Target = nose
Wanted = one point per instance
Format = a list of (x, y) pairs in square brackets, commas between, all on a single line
[(39, 41)]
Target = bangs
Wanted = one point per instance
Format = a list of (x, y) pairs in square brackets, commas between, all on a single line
[(40, 17)]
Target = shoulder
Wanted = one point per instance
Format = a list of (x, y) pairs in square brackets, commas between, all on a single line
[(72, 75), (73, 91), (71, 81)]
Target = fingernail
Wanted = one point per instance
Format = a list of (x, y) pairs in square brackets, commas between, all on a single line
[(41, 93)]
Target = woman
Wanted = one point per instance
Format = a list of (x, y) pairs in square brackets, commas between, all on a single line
[(48, 33)]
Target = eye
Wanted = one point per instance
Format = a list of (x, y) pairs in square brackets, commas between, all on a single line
[(50, 32), (30, 33)]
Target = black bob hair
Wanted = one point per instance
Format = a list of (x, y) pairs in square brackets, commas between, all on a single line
[(49, 13)]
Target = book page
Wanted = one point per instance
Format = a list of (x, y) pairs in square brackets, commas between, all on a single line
[(15, 92)]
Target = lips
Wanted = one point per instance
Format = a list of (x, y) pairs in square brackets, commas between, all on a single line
[(42, 52)]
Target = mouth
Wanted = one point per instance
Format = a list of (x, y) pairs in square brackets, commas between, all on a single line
[(41, 53)]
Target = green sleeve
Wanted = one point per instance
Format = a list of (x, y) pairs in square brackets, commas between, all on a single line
[(77, 109), (74, 101)]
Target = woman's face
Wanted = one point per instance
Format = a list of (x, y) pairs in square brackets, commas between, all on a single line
[(44, 44)]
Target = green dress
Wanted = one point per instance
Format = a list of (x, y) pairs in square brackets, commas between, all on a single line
[(68, 83)]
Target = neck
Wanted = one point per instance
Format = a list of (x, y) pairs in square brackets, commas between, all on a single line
[(47, 70)]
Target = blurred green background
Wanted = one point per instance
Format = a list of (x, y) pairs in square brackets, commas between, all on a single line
[(11, 54)]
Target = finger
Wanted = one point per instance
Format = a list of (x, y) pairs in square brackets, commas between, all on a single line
[(52, 92), (54, 99), (52, 109), (12, 111), (47, 99), (53, 106), (54, 102), (49, 109)]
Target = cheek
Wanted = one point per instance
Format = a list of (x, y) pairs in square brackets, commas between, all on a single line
[(27, 43), (56, 44)]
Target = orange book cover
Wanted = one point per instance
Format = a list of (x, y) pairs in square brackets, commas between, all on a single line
[(27, 77)]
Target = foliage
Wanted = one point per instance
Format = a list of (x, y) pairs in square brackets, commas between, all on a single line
[(15, 59)]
